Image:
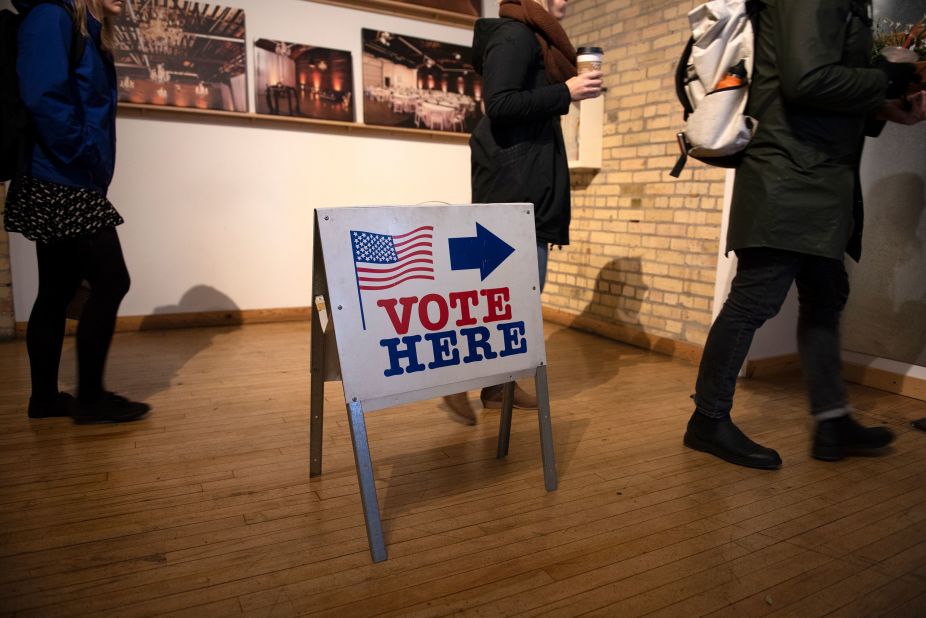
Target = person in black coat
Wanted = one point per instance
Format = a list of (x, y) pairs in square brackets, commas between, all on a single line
[(529, 75)]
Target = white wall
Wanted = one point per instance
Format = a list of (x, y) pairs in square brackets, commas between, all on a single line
[(886, 314), (219, 214)]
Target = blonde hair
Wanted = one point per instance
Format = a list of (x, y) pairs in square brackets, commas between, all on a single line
[(107, 35)]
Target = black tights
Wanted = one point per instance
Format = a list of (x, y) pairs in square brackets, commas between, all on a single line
[(62, 266)]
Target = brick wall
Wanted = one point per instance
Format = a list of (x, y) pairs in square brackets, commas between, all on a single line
[(7, 324), (643, 254)]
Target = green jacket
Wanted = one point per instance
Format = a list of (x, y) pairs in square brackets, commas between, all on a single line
[(797, 187)]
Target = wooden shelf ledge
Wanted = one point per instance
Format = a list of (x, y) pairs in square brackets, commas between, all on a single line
[(141, 110)]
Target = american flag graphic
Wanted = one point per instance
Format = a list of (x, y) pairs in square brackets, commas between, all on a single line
[(383, 261)]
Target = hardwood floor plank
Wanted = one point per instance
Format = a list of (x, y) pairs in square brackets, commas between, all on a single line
[(914, 608), (789, 592), (206, 508), (893, 594), (857, 585)]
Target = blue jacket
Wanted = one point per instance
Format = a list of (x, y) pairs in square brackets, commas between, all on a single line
[(73, 111)]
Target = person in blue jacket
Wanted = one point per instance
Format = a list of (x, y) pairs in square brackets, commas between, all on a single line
[(68, 86)]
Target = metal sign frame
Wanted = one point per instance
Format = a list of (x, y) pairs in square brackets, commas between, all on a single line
[(325, 366)]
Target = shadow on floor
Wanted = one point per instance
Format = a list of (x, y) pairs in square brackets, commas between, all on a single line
[(198, 304)]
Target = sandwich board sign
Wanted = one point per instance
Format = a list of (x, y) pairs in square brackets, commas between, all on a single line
[(414, 302)]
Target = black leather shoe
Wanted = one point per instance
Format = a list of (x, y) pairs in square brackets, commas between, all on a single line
[(61, 405), (722, 438), (841, 437), (110, 408)]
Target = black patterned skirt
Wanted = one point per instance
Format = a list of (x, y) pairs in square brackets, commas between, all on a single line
[(45, 211)]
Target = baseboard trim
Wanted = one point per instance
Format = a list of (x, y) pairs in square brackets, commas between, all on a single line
[(775, 365), (915, 388), (889, 381), (196, 319), (631, 336)]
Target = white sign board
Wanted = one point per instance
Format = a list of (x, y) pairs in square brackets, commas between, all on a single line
[(431, 300)]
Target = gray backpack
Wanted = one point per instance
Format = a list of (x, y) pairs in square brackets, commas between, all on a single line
[(712, 83)]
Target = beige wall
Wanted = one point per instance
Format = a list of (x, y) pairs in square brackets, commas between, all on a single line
[(644, 245)]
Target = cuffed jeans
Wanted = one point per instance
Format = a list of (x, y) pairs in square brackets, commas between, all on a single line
[(763, 278)]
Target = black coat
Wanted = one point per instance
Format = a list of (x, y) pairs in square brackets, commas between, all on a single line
[(517, 149), (797, 188)]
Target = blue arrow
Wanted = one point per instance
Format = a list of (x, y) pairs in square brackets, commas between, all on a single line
[(485, 251)]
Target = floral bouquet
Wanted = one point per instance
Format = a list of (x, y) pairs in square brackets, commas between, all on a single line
[(891, 36), (899, 42)]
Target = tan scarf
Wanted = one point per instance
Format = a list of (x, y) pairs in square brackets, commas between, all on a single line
[(559, 56)]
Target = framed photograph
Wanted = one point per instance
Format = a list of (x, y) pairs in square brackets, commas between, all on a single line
[(184, 54), (419, 84), (291, 79), (454, 12)]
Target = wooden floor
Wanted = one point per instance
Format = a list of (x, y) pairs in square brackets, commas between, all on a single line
[(206, 508)]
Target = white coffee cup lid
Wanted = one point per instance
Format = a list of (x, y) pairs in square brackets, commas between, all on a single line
[(900, 54)]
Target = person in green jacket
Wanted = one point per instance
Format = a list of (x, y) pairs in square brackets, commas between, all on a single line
[(796, 209)]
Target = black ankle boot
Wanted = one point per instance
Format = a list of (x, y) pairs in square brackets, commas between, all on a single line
[(837, 438), (722, 438)]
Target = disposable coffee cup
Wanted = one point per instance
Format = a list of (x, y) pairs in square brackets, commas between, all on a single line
[(589, 59)]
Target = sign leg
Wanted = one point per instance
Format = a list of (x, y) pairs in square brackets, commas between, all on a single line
[(546, 430), (316, 395), (317, 354), (504, 421), (358, 435)]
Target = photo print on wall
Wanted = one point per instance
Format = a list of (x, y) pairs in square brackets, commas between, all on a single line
[(291, 79), (419, 84), (184, 54)]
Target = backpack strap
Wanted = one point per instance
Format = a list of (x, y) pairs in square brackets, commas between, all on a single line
[(78, 43), (683, 157), (681, 73)]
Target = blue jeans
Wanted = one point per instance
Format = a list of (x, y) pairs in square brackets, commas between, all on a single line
[(543, 254), (763, 278)]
